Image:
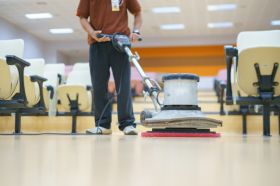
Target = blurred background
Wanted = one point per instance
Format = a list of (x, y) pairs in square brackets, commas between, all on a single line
[(178, 35)]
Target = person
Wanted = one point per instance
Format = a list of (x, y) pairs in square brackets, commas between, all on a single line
[(109, 17)]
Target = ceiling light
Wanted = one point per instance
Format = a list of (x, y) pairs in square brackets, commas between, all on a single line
[(221, 25), (275, 23), (172, 27), (61, 31), (39, 16), (221, 7), (162, 10)]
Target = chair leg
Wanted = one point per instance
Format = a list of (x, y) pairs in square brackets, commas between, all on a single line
[(222, 109), (17, 123), (74, 123), (74, 109), (266, 120), (244, 124), (244, 112)]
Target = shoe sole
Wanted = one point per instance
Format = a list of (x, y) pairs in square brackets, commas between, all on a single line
[(131, 133)]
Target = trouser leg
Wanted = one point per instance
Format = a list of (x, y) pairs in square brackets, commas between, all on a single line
[(121, 71), (99, 69)]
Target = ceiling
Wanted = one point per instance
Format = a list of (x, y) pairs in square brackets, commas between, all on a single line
[(249, 15)]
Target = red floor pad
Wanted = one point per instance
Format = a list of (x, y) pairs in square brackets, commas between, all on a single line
[(182, 135)]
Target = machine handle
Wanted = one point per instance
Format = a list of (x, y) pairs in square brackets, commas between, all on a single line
[(111, 36)]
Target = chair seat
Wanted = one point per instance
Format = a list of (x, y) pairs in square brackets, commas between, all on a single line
[(266, 57), (9, 80), (85, 98), (32, 91)]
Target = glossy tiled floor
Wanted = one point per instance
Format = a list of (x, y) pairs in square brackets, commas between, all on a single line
[(232, 160)]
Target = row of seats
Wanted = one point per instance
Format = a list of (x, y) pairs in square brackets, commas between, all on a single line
[(252, 77), (31, 87), (220, 84), (76, 95), (20, 90)]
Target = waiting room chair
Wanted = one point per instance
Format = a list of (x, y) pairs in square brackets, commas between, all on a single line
[(55, 75), (19, 93), (256, 75), (76, 95)]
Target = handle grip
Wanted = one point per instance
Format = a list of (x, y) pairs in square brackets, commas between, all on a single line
[(111, 36), (104, 35)]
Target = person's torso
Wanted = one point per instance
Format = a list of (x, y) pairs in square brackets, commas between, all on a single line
[(102, 17)]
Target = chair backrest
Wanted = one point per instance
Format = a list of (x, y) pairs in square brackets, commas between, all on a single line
[(36, 67), (80, 77), (81, 66), (9, 74), (256, 39), (51, 72), (11, 47), (57, 68), (262, 47), (76, 83)]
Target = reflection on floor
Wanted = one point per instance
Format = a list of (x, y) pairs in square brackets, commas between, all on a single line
[(207, 102), (118, 160)]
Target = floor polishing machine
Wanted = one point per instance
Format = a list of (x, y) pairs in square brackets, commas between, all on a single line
[(179, 115)]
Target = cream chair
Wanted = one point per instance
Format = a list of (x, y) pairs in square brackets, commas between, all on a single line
[(256, 75), (19, 93), (76, 95), (55, 75), (33, 91), (10, 71)]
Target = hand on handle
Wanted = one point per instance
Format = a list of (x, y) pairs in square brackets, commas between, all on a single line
[(100, 37)]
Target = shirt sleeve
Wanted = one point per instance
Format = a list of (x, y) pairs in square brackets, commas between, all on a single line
[(133, 6), (83, 8)]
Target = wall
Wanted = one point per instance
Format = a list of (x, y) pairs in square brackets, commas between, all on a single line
[(33, 47), (67, 52), (201, 60)]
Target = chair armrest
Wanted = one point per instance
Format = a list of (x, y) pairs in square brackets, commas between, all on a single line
[(40, 81), (14, 60), (20, 65), (51, 90), (59, 76), (230, 53), (37, 78)]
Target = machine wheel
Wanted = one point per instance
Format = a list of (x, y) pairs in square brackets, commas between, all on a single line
[(146, 114)]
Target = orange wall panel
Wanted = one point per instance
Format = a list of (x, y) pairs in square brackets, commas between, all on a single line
[(195, 51), (201, 60), (199, 70)]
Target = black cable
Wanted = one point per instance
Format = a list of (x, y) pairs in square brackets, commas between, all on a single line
[(44, 133), (160, 104), (158, 92)]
